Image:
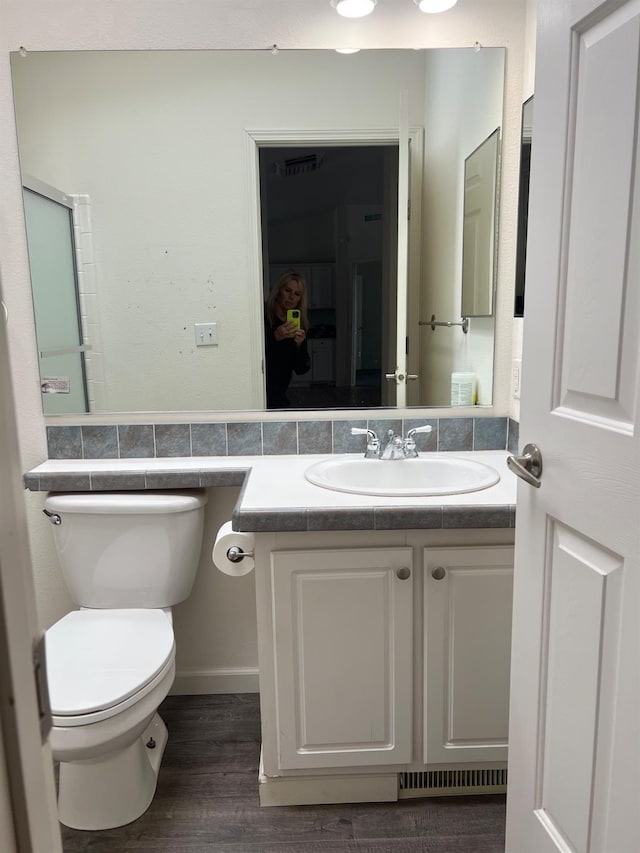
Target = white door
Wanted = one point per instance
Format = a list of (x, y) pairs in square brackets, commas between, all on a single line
[(398, 375), (26, 768), (574, 779)]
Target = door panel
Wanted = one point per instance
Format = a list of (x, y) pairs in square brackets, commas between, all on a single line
[(468, 596), (581, 614), (600, 354), (342, 623), (574, 762)]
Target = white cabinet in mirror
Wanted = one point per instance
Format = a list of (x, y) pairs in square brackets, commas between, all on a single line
[(181, 205)]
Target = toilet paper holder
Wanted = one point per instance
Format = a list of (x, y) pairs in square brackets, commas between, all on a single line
[(236, 554)]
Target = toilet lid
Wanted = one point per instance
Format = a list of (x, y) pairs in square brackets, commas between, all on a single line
[(98, 658)]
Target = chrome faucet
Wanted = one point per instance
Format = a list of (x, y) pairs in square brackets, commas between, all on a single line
[(395, 447)]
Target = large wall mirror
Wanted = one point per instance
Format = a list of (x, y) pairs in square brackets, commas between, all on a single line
[(172, 187)]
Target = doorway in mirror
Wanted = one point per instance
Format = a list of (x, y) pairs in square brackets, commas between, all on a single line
[(326, 213)]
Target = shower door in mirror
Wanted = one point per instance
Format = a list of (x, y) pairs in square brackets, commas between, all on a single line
[(49, 221)]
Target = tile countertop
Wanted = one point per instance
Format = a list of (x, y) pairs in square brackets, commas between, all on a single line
[(275, 495)]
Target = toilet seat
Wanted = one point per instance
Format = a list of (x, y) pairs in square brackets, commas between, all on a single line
[(100, 662)]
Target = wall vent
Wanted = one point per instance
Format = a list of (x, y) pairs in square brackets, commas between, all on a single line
[(298, 165), (436, 783)]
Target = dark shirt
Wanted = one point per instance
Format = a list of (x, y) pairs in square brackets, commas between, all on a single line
[(282, 359)]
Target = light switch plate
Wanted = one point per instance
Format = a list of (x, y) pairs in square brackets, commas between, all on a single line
[(515, 377), (206, 334)]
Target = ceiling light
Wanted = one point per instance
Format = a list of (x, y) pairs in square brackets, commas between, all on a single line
[(353, 8), (347, 50), (435, 5)]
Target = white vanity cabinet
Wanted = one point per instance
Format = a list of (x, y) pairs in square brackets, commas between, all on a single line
[(467, 641), (384, 660), (342, 644)]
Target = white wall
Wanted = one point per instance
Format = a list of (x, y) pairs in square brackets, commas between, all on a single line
[(463, 91), (199, 24)]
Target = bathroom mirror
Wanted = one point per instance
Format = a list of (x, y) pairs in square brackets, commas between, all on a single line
[(523, 205), (160, 159), (480, 228)]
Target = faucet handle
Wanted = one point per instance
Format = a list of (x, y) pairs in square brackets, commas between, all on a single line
[(425, 428), (373, 442), (410, 442)]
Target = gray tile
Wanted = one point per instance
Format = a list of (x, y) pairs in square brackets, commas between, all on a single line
[(461, 517), (100, 442), (117, 481), (173, 439), (222, 478), (344, 442), (244, 439), (32, 482), (279, 438), (208, 439), (513, 439), (136, 441), (283, 519), (426, 442), (315, 437), (408, 518), (455, 434), (64, 442), (172, 479), (65, 482), (340, 519), (489, 433)]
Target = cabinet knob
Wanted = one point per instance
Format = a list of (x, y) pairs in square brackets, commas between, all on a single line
[(403, 573), (438, 573)]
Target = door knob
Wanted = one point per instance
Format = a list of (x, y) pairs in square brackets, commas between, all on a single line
[(528, 466)]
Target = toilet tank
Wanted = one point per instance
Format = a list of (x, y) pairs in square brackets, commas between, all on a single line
[(128, 549)]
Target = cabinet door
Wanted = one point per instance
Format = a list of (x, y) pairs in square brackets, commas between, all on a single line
[(321, 286), (342, 623), (467, 612), (322, 360)]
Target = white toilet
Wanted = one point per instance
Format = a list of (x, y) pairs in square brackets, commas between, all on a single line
[(126, 559)]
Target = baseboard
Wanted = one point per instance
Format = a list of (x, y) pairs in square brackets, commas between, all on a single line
[(192, 682), (318, 790)]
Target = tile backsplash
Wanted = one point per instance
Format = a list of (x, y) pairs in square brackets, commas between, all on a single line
[(270, 438)]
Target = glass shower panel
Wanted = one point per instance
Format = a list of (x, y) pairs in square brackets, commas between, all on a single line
[(58, 329)]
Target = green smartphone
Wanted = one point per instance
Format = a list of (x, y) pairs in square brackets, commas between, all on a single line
[(293, 316)]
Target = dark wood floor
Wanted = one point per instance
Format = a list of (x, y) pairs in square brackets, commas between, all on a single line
[(207, 800)]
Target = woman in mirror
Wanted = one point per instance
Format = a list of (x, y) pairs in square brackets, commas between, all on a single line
[(286, 327)]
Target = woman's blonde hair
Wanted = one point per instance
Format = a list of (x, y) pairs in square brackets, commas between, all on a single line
[(280, 282)]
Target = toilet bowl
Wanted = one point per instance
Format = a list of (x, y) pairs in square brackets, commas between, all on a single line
[(109, 668), (108, 671)]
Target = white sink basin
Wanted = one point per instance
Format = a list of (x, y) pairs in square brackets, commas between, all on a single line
[(422, 476)]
